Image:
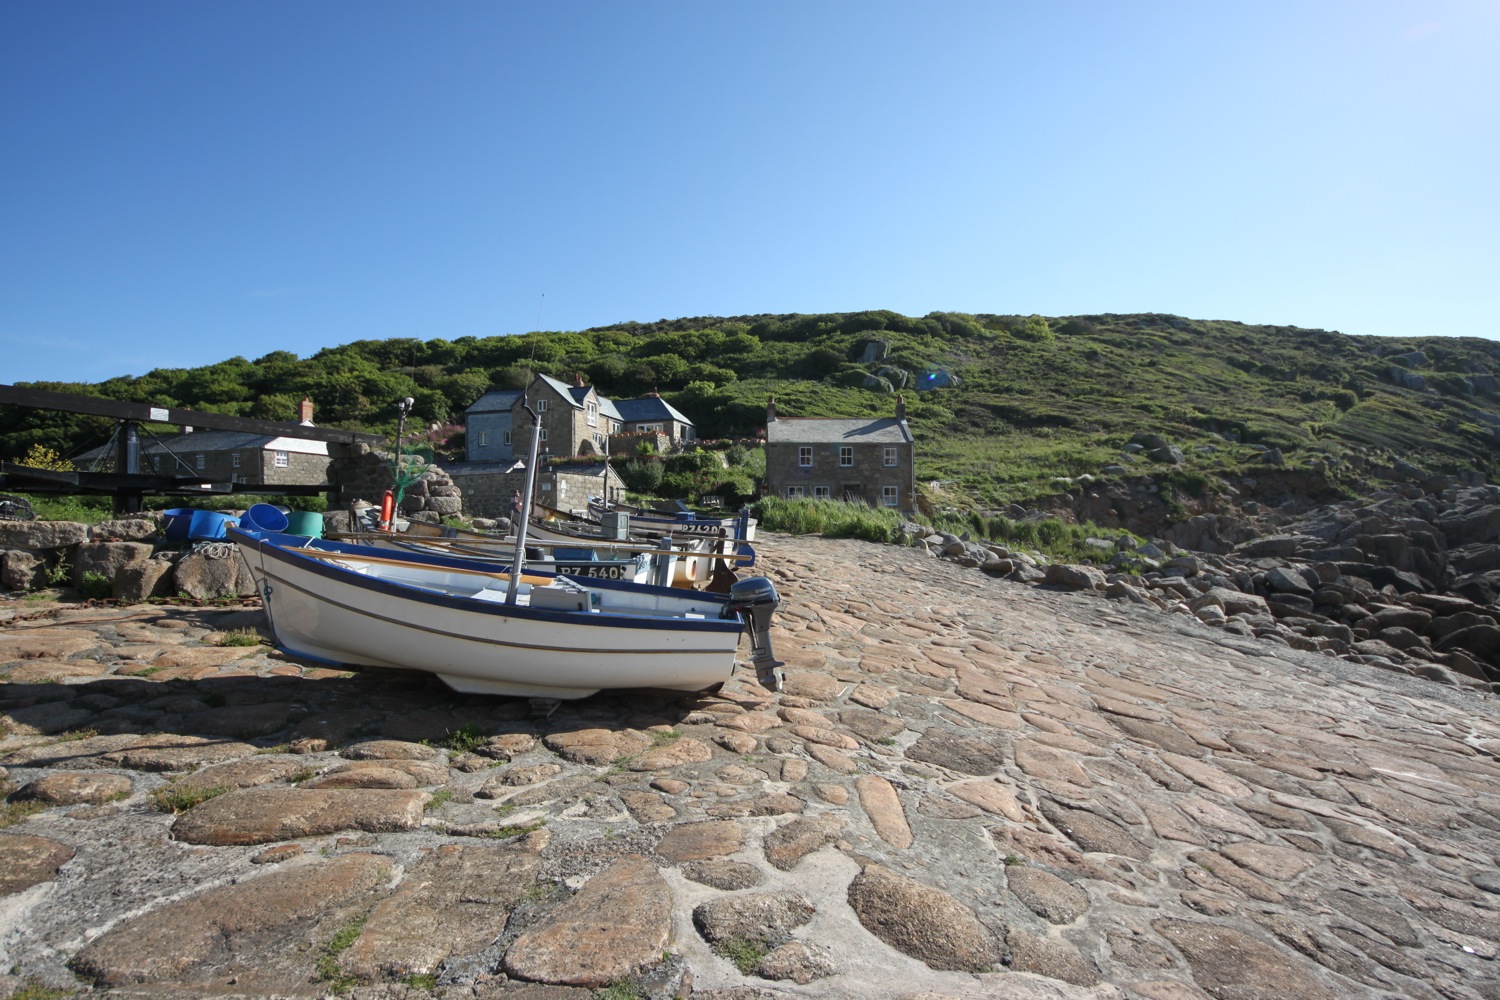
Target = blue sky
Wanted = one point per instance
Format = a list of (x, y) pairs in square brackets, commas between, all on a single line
[(185, 181)]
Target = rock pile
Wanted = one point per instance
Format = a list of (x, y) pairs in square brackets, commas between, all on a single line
[(127, 560), (433, 494), (1405, 580)]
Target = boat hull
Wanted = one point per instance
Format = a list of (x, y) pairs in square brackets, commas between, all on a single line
[(327, 612)]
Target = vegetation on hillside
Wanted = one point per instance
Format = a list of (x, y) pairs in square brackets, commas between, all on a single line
[(1035, 398)]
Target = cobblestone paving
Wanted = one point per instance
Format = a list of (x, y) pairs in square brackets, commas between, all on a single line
[(969, 788)]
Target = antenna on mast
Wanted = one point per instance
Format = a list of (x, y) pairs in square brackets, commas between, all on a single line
[(537, 329)]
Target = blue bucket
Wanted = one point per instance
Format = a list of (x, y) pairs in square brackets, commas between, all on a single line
[(208, 525), (306, 523), (263, 517)]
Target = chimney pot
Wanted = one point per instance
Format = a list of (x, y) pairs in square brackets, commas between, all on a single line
[(900, 407), (771, 410), (305, 410)]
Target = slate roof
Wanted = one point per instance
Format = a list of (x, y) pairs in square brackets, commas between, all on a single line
[(826, 430), (494, 401), (565, 390), (650, 408)]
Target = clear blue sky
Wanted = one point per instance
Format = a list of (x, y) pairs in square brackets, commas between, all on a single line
[(187, 181)]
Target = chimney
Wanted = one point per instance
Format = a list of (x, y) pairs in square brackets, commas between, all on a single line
[(304, 411), (900, 407), (771, 410), (578, 379), (654, 393)]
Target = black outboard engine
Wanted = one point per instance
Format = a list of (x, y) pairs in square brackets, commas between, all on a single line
[(754, 599)]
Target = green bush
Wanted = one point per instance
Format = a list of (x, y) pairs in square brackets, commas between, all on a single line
[(641, 475)]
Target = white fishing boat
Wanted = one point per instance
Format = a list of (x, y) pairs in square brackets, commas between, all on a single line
[(680, 519), (482, 629)]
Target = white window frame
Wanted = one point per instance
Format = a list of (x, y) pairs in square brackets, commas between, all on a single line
[(591, 415), (234, 460), (890, 457), (283, 460), (506, 441), (543, 432), (822, 493), (890, 496), (484, 438), (805, 456), (846, 456), (541, 406), (200, 462), (795, 493)]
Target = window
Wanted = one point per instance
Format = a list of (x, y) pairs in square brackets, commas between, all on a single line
[(507, 438), (544, 435), (804, 456), (541, 407), (889, 497), (484, 438), (234, 460), (890, 458), (591, 415), (846, 456), (156, 463), (281, 460), (199, 461), (821, 493), (794, 493)]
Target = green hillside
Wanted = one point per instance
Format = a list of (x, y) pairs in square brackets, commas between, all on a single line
[(1035, 398)]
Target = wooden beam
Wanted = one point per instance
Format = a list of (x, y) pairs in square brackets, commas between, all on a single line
[(97, 406)]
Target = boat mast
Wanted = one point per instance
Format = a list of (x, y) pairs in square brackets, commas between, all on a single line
[(518, 562)]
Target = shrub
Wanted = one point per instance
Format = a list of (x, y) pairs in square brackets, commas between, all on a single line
[(95, 586)]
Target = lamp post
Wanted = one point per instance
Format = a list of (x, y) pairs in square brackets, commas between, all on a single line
[(402, 409)]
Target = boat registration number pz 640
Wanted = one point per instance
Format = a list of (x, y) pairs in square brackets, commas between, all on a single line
[(594, 570)]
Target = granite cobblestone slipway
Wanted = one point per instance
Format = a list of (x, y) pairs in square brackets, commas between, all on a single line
[(971, 787)]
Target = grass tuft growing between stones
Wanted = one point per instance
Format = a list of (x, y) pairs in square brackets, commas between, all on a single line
[(622, 989), (466, 738), (439, 799), (661, 738), (328, 963), (12, 813), (178, 800), (421, 981), (516, 830), (34, 990), (74, 735), (242, 637), (745, 953)]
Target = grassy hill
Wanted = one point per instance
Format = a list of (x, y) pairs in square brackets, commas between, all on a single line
[(1003, 405)]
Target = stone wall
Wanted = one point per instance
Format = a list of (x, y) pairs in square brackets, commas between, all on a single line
[(486, 487), (357, 472)]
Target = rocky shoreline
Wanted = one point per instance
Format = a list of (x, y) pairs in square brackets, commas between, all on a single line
[(970, 787)]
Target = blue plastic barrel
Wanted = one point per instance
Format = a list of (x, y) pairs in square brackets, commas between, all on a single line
[(208, 525), (263, 517), (175, 522)]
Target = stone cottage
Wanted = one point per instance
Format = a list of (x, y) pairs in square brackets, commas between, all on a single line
[(219, 456), (870, 460)]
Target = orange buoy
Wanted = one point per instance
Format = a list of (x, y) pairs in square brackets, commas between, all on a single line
[(388, 511)]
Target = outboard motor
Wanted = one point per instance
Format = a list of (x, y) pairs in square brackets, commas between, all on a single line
[(754, 600)]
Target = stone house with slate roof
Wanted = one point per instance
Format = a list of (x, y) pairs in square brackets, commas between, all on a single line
[(575, 420), (654, 415), (839, 459), (231, 456)]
